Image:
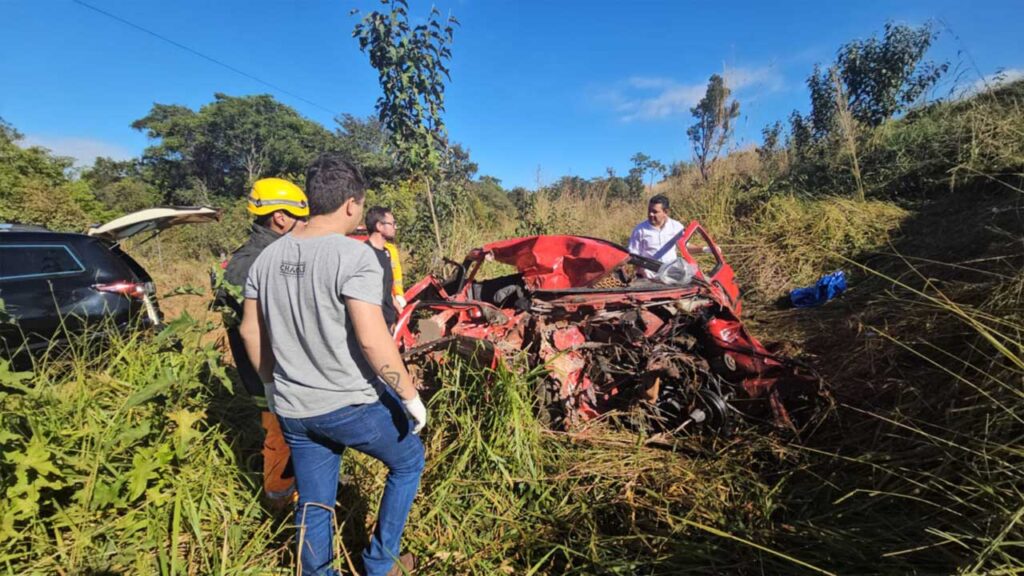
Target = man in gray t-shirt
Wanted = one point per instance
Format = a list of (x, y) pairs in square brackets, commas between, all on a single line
[(314, 330), (320, 371)]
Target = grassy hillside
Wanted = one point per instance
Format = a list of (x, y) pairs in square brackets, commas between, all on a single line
[(142, 460)]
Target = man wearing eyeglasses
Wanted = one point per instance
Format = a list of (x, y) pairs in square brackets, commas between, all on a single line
[(381, 226)]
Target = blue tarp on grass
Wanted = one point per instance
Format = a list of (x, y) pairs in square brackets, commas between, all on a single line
[(827, 287)]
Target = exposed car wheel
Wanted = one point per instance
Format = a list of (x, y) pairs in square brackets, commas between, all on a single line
[(681, 410)]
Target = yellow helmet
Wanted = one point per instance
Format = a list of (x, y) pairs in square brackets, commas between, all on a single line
[(273, 194)]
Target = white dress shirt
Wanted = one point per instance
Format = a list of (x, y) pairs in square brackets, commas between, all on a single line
[(656, 243)]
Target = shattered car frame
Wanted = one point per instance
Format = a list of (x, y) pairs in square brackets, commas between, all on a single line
[(608, 339)]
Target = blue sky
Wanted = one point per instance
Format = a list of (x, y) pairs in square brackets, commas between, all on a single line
[(538, 90)]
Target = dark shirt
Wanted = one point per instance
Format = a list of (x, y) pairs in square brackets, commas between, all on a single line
[(236, 273), (242, 259), (388, 305)]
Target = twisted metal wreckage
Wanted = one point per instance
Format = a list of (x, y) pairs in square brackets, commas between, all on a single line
[(609, 340)]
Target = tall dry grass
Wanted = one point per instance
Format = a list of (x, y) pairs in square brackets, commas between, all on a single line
[(138, 460), (924, 476), (141, 461)]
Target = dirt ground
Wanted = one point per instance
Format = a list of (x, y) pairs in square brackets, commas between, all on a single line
[(184, 286)]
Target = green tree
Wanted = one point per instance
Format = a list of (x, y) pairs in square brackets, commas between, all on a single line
[(678, 168), (456, 165), (36, 187), (801, 134), (17, 164), (876, 78), (770, 151), (412, 70), (566, 186), (521, 198), (119, 185), (870, 82), (714, 114), (367, 143), (635, 177), (654, 168), (128, 195), (490, 203), (105, 171), (615, 187), (643, 165), (219, 151)]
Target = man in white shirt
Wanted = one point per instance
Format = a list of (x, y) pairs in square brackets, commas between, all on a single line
[(656, 237)]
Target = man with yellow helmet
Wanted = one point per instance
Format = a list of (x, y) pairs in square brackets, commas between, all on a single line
[(279, 207)]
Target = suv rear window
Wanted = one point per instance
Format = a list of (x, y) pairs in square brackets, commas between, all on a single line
[(28, 261)]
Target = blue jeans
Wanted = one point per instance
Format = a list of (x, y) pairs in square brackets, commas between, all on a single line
[(381, 430)]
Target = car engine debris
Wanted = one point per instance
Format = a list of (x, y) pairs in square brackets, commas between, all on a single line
[(610, 341)]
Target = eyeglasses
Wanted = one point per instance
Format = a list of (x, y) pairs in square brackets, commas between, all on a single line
[(392, 224)]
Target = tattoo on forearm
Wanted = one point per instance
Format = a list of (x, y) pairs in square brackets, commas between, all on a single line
[(392, 377)]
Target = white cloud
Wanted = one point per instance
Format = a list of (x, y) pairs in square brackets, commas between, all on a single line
[(765, 77), (83, 150), (992, 81), (646, 82), (655, 97), (668, 101)]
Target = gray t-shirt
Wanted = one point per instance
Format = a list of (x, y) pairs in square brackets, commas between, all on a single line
[(301, 285)]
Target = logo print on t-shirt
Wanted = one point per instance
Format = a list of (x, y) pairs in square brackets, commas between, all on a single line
[(293, 269)]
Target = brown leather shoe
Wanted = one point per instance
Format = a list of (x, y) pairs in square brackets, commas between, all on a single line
[(405, 565)]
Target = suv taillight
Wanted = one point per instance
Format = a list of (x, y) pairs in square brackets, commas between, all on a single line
[(132, 289)]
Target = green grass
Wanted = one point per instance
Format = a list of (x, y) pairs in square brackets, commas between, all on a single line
[(137, 462), (123, 462), (141, 460)]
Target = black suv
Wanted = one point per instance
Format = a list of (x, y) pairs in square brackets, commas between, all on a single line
[(55, 285)]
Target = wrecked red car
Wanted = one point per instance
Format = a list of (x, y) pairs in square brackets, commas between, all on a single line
[(609, 336)]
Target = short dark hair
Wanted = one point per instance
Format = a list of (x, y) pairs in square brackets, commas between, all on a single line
[(659, 199), (330, 181), (375, 216), (265, 219)]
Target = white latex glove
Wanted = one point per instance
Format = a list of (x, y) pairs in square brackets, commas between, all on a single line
[(417, 411)]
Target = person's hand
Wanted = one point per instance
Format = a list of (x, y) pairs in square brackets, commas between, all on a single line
[(400, 303), (417, 411)]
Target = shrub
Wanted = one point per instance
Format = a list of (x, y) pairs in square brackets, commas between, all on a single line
[(123, 462)]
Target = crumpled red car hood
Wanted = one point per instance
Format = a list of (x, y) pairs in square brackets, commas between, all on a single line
[(558, 262)]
